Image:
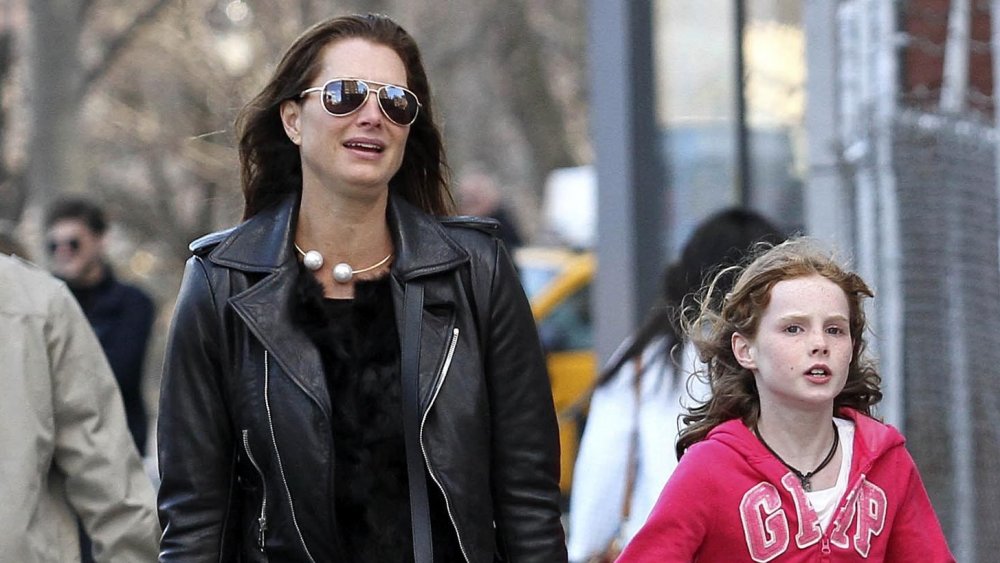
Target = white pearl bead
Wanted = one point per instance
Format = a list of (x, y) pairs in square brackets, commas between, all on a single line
[(343, 272), (313, 260)]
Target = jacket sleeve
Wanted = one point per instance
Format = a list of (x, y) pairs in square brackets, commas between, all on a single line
[(105, 481), (194, 437), (916, 534), (525, 435), (678, 524)]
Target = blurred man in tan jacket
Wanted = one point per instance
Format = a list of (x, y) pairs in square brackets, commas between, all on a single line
[(66, 450)]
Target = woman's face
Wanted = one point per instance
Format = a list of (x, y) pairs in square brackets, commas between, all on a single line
[(357, 154), (802, 351)]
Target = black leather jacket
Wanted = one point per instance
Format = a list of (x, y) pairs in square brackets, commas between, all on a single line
[(244, 427)]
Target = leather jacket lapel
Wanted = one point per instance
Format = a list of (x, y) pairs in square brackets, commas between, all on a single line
[(264, 244), (261, 244), (422, 246), (262, 309)]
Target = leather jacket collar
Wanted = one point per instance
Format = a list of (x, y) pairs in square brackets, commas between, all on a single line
[(264, 242)]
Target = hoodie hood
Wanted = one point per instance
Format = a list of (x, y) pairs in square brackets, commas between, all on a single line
[(872, 440)]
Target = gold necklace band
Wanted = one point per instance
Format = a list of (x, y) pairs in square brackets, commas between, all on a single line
[(342, 272)]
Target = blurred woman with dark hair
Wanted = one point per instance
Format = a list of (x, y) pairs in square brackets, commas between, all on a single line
[(350, 375), (626, 454)]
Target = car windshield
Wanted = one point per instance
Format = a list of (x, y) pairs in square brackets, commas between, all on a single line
[(535, 277)]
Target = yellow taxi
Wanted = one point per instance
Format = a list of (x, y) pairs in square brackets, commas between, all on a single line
[(557, 282)]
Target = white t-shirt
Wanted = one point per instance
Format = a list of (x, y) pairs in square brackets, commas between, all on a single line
[(825, 502)]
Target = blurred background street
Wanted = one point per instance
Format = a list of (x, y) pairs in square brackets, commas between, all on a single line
[(607, 129)]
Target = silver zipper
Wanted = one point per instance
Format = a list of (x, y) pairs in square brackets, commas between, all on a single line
[(845, 502), (281, 469), (262, 520), (437, 389)]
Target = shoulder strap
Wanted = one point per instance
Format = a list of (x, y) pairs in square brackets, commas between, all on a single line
[(420, 516), (633, 446)]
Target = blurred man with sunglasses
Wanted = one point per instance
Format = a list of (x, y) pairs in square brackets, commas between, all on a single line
[(121, 314)]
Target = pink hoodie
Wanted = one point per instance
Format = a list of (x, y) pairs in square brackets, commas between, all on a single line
[(731, 500)]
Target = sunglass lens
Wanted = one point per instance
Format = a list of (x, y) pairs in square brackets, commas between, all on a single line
[(398, 104), (73, 245), (341, 97)]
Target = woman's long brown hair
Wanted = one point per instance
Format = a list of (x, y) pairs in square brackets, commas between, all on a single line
[(270, 167)]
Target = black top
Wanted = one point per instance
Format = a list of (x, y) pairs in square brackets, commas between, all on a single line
[(122, 317), (359, 345)]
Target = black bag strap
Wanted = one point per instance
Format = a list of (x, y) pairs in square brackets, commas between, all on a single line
[(420, 514)]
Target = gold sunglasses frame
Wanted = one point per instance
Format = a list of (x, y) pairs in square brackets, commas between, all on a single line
[(368, 84)]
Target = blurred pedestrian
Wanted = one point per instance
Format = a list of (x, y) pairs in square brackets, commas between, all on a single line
[(626, 453), (348, 377), (66, 449), (785, 461), (121, 314), (479, 196)]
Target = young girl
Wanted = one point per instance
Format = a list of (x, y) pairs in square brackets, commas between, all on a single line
[(785, 462)]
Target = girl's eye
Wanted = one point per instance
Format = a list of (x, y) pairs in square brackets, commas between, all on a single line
[(793, 329), (835, 330)]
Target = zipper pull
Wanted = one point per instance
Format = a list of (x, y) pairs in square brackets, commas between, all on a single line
[(826, 548), (262, 521)]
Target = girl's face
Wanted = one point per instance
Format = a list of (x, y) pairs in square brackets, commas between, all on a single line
[(802, 351), (355, 154)]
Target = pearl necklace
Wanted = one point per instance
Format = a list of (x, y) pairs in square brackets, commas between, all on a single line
[(342, 272)]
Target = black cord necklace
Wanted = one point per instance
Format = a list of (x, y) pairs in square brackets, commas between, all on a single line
[(805, 478)]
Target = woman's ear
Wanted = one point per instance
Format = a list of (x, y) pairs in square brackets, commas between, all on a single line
[(291, 113), (743, 351)]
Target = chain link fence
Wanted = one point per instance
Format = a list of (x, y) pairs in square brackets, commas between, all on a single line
[(925, 126), (946, 184)]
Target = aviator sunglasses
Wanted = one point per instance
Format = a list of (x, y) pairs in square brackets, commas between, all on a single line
[(73, 245), (344, 96)]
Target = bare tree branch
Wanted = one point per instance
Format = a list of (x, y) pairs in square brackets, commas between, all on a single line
[(162, 186), (457, 48), (14, 192), (133, 209), (14, 195), (306, 12), (537, 107), (206, 215), (85, 6), (118, 44)]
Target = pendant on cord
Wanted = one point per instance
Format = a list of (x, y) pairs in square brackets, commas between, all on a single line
[(805, 479)]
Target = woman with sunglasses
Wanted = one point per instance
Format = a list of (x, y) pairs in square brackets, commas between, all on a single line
[(351, 375)]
